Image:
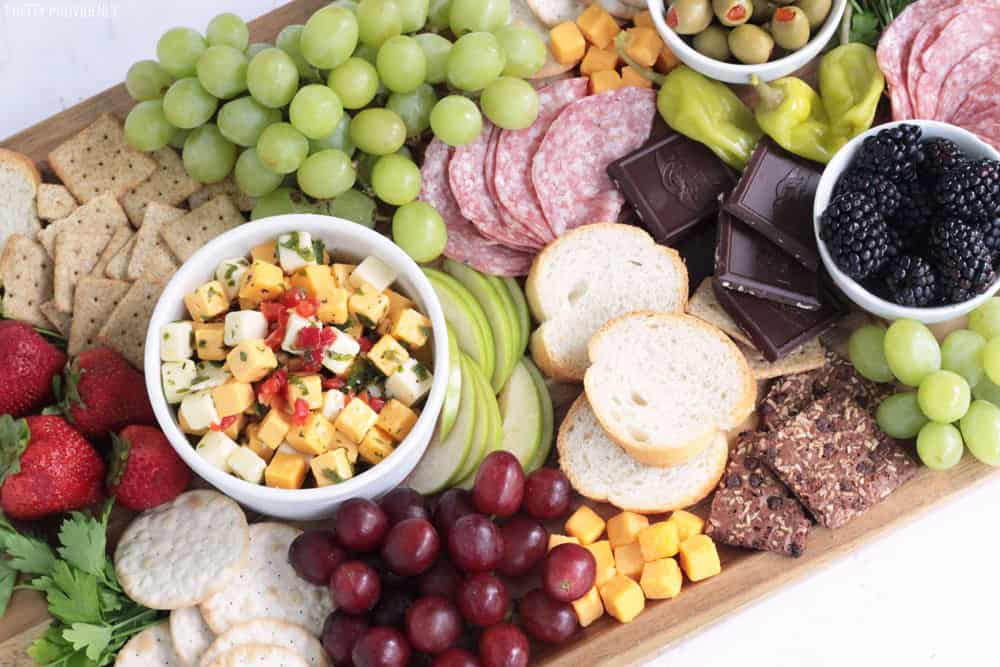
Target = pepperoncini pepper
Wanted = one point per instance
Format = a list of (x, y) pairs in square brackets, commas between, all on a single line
[(792, 113), (851, 85)]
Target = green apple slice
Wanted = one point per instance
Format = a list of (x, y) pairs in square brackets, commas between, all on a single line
[(500, 321), (481, 437), (466, 317), (453, 390), (515, 321), (445, 457), (523, 315), (521, 412), (548, 419), (493, 428)]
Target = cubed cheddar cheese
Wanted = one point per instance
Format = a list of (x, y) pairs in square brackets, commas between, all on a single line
[(210, 341), (314, 436), (598, 59), (368, 305), (658, 541), (397, 304), (588, 608), (601, 82), (699, 558), (256, 445), (410, 327), (628, 560), (643, 45), (315, 279), (567, 43), (388, 355), (688, 524), (263, 281), (207, 301), (265, 252), (624, 527), (342, 274), (229, 273), (233, 398), (355, 420), (273, 428), (251, 361), (245, 464), (622, 598), (555, 540), (340, 441), (372, 271), (236, 426), (307, 387), (661, 579), (353, 327), (604, 558), (585, 525), (333, 306), (667, 60), (597, 26), (631, 77), (643, 19), (396, 419), (331, 468), (176, 341), (286, 471), (376, 446), (216, 448)]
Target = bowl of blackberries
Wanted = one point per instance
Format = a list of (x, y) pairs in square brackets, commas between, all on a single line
[(907, 220)]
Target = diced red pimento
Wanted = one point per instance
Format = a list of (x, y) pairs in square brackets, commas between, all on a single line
[(327, 336), (307, 307), (293, 297), (272, 387), (224, 423), (300, 413), (333, 383), (376, 403), (365, 344), (308, 338), (272, 310)]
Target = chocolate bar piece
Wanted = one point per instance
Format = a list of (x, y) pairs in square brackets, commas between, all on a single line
[(835, 460), (697, 249), (748, 262), (753, 509), (672, 182), (775, 196), (776, 329)]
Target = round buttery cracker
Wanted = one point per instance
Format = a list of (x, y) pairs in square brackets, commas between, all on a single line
[(191, 635), (259, 655), (150, 648), (268, 587), (274, 633), (180, 553)]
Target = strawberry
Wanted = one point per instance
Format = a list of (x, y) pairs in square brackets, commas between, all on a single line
[(28, 363), (46, 467), (145, 470), (103, 394)]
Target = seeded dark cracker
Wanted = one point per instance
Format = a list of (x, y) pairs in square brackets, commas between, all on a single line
[(835, 460), (753, 509)]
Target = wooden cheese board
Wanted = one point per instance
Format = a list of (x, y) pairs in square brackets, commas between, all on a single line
[(746, 576)]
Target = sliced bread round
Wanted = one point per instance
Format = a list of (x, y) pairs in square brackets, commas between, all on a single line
[(590, 275), (19, 181), (601, 470), (663, 384)]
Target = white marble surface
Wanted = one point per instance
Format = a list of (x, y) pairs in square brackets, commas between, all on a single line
[(924, 595)]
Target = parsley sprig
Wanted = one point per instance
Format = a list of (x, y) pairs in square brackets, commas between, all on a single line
[(870, 17), (92, 616)]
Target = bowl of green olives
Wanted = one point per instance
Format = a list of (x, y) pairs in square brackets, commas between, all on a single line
[(731, 40)]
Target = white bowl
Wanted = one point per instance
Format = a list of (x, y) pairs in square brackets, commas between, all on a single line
[(932, 129), (735, 73), (345, 240)]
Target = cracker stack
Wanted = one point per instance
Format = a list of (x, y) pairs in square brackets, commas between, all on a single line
[(89, 256)]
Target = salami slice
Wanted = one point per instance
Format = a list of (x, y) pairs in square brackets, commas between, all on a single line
[(465, 243), (914, 68), (516, 148), (489, 171), (569, 170), (466, 173), (966, 76)]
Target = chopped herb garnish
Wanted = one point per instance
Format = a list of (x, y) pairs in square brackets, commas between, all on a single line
[(166, 335), (365, 321), (340, 356), (425, 330), (318, 249), (332, 476), (202, 343), (421, 371), (391, 355), (294, 243), (243, 356), (361, 374)]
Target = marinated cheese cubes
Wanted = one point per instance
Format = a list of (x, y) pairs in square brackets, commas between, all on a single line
[(293, 370)]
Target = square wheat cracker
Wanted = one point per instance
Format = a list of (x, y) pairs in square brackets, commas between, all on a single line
[(26, 276), (125, 328), (150, 256), (224, 187), (93, 303), (60, 321), (809, 356), (76, 255), (189, 233), (706, 307), (169, 184), (123, 235), (101, 215), (54, 201), (118, 266)]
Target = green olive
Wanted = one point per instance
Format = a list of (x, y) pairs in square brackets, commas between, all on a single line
[(816, 11), (689, 17), (762, 11), (713, 42), (732, 12), (790, 28), (751, 44)]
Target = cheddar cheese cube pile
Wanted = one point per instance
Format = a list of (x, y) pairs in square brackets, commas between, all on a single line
[(637, 560), (294, 370)]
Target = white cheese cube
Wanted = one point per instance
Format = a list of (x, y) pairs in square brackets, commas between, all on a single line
[(229, 274), (216, 447), (333, 403), (246, 465), (295, 250), (243, 325), (177, 341), (296, 323), (209, 375), (373, 271), (410, 383), (340, 354), (198, 411), (177, 377)]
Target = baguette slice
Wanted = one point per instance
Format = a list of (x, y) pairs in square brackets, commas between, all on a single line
[(662, 385), (19, 181), (600, 470), (590, 275)]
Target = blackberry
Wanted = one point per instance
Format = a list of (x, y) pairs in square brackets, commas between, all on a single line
[(855, 234), (917, 210), (971, 191), (893, 153), (912, 281), (991, 236), (972, 279), (963, 261), (940, 157), (881, 189)]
